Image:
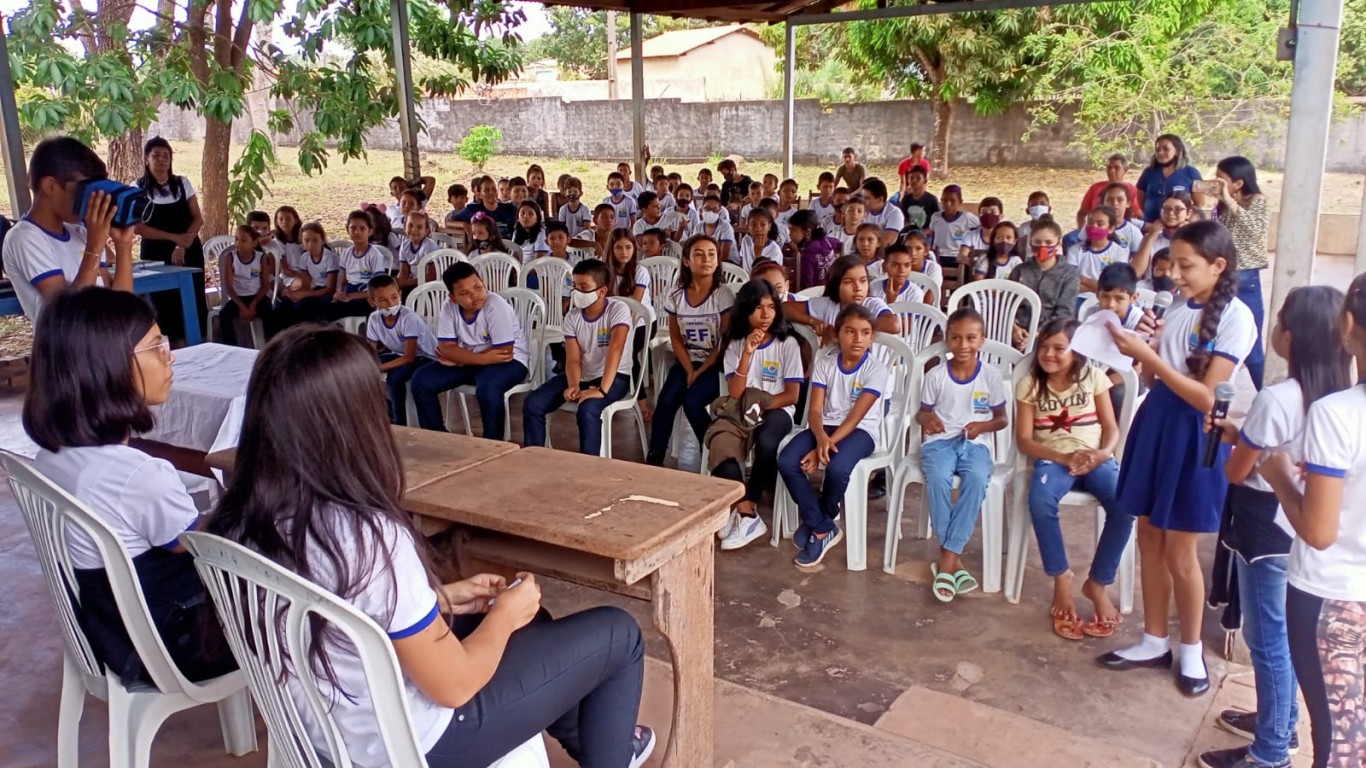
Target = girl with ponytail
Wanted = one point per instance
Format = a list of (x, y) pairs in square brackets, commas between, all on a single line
[(1200, 344)]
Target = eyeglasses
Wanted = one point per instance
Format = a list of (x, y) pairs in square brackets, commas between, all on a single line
[(162, 345)]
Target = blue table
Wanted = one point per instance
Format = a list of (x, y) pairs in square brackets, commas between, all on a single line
[(152, 279)]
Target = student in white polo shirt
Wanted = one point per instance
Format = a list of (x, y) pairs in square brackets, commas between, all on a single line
[(81, 417), (480, 342), (51, 248), (879, 212), (597, 369), (401, 338)]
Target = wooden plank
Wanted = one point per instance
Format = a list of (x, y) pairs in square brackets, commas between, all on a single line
[(613, 509), (683, 594), (518, 554)]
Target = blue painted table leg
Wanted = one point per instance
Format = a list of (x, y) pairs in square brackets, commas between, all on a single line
[(188, 308)]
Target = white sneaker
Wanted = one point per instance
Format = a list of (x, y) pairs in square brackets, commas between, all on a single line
[(746, 530), (726, 529)]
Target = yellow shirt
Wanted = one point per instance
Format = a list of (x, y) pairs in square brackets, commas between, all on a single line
[(1067, 421)]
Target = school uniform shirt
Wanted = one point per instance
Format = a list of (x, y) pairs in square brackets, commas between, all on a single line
[(1333, 448), (846, 241), (774, 365), (1181, 328), (690, 219), (1276, 422), (1090, 262), (747, 258), (411, 254), (532, 248), (246, 275), (318, 271), (723, 233), (911, 291), (668, 221), (825, 213), (780, 231), (139, 497), (576, 220), (1066, 421), (495, 325), (1160, 240), (975, 240), (875, 270), (701, 324), (843, 388), (826, 309), (1002, 270), (959, 403), (1133, 317), (625, 208), (33, 254), (408, 325), (594, 337), (395, 593), (360, 267), (890, 218), (933, 271), (1128, 235), (642, 280), (1156, 185), (946, 236)]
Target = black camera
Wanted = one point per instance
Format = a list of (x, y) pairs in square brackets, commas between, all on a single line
[(131, 205)]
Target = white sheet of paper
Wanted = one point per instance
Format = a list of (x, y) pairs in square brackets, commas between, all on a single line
[(1093, 339)]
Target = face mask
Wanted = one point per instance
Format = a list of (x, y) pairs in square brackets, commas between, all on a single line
[(1045, 252), (583, 299), (990, 220), (618, 192), (573, 196), (683, 203), (1097, 233), (1003, 247), (392, 311), (1037, 212), (710, 217)]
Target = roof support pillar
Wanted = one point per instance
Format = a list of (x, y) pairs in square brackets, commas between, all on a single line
[(403, 83), (637, 99), (789, 94)]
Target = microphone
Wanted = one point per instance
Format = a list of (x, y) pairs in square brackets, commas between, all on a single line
[(1223, 398), (1161, 302)]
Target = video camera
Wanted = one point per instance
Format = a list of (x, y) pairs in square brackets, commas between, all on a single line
[(131, 205)]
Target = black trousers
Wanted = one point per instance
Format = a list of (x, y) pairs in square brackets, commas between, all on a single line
[(763, 473), (1328, 649), (578, 677)]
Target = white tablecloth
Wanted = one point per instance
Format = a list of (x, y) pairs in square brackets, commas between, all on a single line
[(204, 411)]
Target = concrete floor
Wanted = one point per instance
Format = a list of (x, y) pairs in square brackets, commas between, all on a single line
[(814, 669)]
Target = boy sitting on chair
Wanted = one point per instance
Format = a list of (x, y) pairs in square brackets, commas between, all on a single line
[(402, 340)]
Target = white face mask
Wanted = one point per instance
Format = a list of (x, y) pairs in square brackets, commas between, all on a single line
[(710, 217), (1037, 211), (392, 311), (583, 299)]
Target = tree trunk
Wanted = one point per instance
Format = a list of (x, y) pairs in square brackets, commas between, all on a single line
[(943, 125), (125, 156), (213, 192)]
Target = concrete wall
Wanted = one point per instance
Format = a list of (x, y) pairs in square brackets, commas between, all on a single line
[(735, 68), (551, 127)]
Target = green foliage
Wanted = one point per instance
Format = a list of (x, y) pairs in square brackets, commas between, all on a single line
[(831, 82), (577, 39), (1352, 49), (479, 145), (251, 176)]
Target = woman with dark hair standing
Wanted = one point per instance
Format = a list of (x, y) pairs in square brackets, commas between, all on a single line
[(481, 677), (1170, 171), (81, 416), (1242, 209), (171, 234)]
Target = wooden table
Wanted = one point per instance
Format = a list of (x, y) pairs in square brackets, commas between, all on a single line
[(427, 456), (607, 524)]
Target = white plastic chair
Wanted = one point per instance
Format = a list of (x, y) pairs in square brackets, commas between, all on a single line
[(499, 271), (136, 711), (733, 275), (663, 272), (814, 292), (255, 327), (427, 300), (631, 401), (891, 445), (919, 322), (266, 613), (531, 316), (1146, 296), (446, 241), (1088, 305), (552, 273), (1020, 527), (999, 302), (338, 245), (441, 259), (907, 470)]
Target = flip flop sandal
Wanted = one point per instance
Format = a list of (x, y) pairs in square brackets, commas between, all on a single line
[(943, 583), (963, 582), (1067, 627), (1099, 628)]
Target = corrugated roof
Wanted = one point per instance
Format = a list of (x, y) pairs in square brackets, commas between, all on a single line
[(682, 41)]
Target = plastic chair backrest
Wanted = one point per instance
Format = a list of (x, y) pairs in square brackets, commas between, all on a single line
[(216, 246), (733, 274), (899, 359), (814, 292), (427, 300), (1006, 359), (50, 514), (441, 259), (919, 323), (446, 240), (663, 272), (338, 245), (1088, 305), (267, 614), (388, 257), (640, 323), (498, 270), (552, 273), (1146, 296), (928, 285), (999, 303), (530, 310), (1124, 419), (579, 254)]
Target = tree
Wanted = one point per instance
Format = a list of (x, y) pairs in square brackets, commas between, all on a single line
[(1352, 49), (943, 58), (199, 55), (577, 39)]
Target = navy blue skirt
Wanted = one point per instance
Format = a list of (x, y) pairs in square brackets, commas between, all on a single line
[(1161, 476)]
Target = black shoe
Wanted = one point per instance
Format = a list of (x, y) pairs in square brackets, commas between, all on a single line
[(1237, 757), (642, 744), (1193, 686), (1244, 724), (1118, 663), (877, 485)]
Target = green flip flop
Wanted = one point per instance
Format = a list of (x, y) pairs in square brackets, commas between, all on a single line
[(963, 582), (942, 582)]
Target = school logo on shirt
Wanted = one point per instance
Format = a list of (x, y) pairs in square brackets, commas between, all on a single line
[(486, 337), (1194, 341), (981, 402), (769, 370), (604, 336), (855, 389)]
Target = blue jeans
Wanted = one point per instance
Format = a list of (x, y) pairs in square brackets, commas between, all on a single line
[(491, 383), (1050, 483), (1250, 293), (1261, 590), (940, 460), (819, 512), (397, 380), (693, 400), (550, 396)]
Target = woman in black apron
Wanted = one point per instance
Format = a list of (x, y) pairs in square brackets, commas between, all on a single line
[(171, 234)]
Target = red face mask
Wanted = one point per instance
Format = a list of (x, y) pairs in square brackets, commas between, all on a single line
[(1045, 252)]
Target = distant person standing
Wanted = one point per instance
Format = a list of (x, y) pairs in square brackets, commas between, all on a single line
[(916, 159), (735, 185), (917, 202), (1242, 208), (1170, 171), (851, 172), (171, 234), (1116, 168)]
